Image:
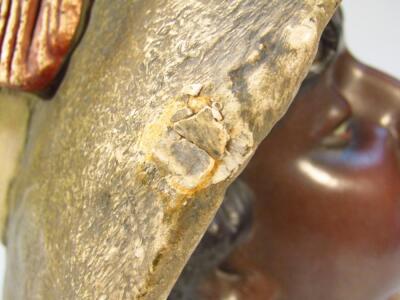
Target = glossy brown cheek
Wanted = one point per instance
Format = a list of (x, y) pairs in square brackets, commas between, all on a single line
[(35, 36), (353, 194), (349, 196)]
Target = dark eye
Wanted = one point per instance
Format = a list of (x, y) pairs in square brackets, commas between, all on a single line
[(229, 271), (329, 45), (339, 137)]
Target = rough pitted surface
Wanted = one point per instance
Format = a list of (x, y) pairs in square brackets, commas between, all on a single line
[(96, 212), (205, 131)]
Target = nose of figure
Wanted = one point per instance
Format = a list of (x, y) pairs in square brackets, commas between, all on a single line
[(248, 284), (372, 94)]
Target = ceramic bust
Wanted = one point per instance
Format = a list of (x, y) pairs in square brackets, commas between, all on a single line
[(115, 177)]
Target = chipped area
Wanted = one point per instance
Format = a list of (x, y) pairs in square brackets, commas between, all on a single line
[(242, 144), (198, 150), (192, 89), (188, 164), (238, 151), (155, 128), (215, 110), (198, 103), (204, 131), (182, 114)]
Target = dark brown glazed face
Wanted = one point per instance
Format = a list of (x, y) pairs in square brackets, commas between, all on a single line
[(327, 187)]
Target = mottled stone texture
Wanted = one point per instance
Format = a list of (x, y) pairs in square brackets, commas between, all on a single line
[(104, 205)]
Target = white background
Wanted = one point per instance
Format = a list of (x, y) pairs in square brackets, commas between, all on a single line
[(372, 29)]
